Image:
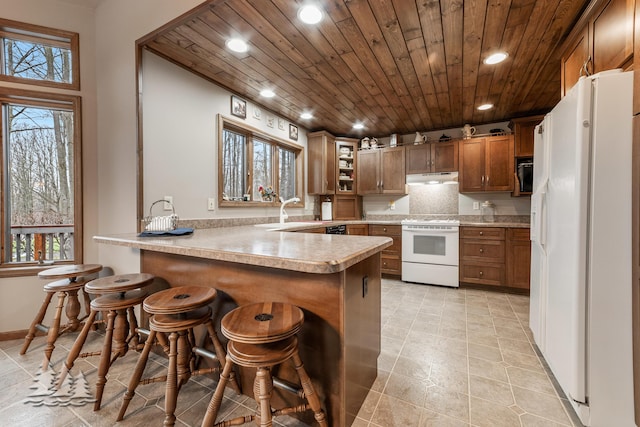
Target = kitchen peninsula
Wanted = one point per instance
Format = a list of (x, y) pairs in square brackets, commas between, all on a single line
[(335, 279)]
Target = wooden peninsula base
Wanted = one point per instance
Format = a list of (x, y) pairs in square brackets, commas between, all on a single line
[(340, 338)]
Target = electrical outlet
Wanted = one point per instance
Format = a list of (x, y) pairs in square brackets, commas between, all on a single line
[(476, 205), (211, 204), (168, 202)]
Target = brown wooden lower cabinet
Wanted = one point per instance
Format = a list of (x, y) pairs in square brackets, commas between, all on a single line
[(358, 229), (391, 257), (495, 256)]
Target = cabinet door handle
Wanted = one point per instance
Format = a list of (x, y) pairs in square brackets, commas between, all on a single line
[(487, 180), (385, 229), (481, 250), (381, 184), (481, 273), (482, 233), (483, 180)]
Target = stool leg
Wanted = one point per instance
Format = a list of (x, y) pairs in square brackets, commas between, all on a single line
[(105, 359), (222, 356), (309, 390), (216, 400), (87, 302), (137, 374), (37, 321), (72, 310), (52, 336), (171, 394), (77, 347), (133, 338), (262, 388)]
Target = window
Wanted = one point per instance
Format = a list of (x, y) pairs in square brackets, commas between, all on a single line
[(255, 167), (39, 55), (41, 196)]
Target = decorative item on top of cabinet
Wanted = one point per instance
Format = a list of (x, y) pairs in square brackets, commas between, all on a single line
[(391, 257), (322, 163), (486, 164), (381, 171), (432, 157)]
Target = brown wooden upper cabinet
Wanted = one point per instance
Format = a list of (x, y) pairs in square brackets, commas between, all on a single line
[(432, 157), (381, 171), (321, 147), (601, 40), (486, 164), (523, 131)]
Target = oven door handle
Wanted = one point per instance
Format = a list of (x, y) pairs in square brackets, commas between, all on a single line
[(429, 232)]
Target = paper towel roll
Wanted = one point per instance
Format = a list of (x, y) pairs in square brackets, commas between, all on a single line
[(326, 211)]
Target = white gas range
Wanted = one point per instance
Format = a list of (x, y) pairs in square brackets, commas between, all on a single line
[(430, 251)]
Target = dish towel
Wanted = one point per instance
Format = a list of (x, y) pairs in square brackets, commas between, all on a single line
[(176, 232)]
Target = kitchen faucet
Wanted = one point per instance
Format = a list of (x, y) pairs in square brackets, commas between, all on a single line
[(283, 214)]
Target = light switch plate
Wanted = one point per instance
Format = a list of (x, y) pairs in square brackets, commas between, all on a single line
[(168, 202), (211, 204)]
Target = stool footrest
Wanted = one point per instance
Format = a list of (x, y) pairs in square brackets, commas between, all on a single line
[(288, 386), (90, 354), (205, 371), (205, 353), (160, 379), (42, 328), (143, 331)]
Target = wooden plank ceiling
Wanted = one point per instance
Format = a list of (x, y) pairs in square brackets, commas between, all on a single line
[(397, 66)]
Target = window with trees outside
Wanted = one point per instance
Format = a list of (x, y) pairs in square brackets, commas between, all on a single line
[(40, 135), (256, 168), (39, 55)]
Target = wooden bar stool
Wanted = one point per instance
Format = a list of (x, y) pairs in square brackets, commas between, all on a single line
[(118, 296), (176, 311), (261, 336), (69, 286)]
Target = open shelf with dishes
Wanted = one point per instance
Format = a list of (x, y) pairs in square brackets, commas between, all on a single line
[(346, 167)]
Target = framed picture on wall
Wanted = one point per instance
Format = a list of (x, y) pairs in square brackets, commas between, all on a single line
[(270, 120), (293, 132), (238, 107)]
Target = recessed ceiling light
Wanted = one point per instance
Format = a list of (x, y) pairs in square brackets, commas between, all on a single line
[(358, 126), (237, 45), (310, 14), (485, 107), (267, 93), (496, 58), (306, 116)]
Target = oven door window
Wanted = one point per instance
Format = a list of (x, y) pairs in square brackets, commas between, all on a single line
[(430, 245)]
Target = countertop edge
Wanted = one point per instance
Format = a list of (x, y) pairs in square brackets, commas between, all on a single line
[(166, 244)]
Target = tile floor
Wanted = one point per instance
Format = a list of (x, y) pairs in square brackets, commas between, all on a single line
[(450, 357)]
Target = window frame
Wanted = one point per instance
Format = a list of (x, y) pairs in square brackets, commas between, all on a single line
[(225, 123), (44, 100), (51, 36)]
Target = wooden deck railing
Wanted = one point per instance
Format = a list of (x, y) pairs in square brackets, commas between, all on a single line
[(41, 243)]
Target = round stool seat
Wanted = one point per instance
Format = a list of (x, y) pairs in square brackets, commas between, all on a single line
[(256, 356), (64, 285), (168, 323), (261, 323), (119, 301), (70, 271), (119, 283), (179, 299)]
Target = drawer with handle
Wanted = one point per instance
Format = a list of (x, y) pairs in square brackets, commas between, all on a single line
[(488, 250), (496, 233)]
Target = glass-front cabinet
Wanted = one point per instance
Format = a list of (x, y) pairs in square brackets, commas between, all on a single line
[(346, 166)]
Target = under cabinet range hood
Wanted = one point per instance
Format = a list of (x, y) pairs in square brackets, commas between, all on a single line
[(433, 178)]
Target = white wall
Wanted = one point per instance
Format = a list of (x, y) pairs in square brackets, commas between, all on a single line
[(107, 68), (21, 297), (180, 123)]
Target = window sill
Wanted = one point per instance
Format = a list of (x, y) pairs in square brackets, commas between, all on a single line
[(27, 270)]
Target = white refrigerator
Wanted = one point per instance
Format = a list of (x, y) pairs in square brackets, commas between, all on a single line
[(580, 304)]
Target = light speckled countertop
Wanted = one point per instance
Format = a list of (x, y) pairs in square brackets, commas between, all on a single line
[(306, 252)]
